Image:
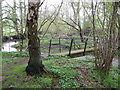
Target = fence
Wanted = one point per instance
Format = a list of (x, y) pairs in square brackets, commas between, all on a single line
[(63, 45)]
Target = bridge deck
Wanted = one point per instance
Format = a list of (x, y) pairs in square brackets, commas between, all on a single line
[(76, 51)]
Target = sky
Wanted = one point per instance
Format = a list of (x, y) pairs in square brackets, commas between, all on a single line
[(49, 2)]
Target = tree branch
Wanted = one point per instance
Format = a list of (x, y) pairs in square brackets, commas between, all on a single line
[(45, 21), (70, 25), (41, 3), (53, 19)]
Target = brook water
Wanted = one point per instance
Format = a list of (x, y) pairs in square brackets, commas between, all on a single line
[(8, 46)]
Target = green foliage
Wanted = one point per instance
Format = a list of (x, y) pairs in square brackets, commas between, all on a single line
[(17, 77), (11, 60), (64, 74), (110, 80), (8, 31), (67, 77), (59, 66), (9, 57), (14, 54)]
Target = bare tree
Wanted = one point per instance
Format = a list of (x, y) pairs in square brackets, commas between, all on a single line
[(75, 22), (106, 46), (11, 16), (52, 20)]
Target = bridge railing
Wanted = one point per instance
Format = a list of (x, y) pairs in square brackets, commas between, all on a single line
[(59, 45)]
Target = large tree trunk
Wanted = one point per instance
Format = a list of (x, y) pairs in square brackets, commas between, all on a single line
[(35, 65)]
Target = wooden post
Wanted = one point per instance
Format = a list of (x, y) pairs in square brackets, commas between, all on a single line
[(85, 47), (59, 45), (70, 47), (74, 43), (49, 48)]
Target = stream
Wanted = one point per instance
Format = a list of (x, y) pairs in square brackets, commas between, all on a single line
[(8, 46)]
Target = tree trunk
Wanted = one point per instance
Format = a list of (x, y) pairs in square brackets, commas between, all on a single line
[(106, 47), (25, 16), (119, 38), (1, 26), (35, 65), (21, 17), (21, 26)]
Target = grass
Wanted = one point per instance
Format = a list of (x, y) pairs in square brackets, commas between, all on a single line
[(64, 79), (111, 80), (10, 57), (65, 74), (8, 31)]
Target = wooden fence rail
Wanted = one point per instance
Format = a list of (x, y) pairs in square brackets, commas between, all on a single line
[(72, 44)]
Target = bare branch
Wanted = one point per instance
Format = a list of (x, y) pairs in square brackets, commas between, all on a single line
[(87, 13), (9, 5), (70, 25), (45, 21), (41, 3), (73, 21), (52, 20)]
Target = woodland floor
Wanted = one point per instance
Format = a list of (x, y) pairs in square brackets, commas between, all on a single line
[(83, 69)]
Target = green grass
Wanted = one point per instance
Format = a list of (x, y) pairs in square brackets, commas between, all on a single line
[(10, 57), (111, 80), (64, 74), (9, 31), (62, 77)]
